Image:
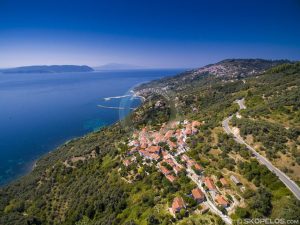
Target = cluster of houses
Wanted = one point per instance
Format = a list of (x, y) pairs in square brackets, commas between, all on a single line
[(148, 143), (190, 163), (162, 146), (172, 136), (178, 202), (219, 199)]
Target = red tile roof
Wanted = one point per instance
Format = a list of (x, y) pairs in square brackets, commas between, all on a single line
[(164, 170), (164, 154), (178, 132), (170, 162), (188, 131), (178, 204), (190, 162), (221, 201), (180, 141), (196, 124), (153, 149), (158, 138), (154, 156), (224, 181), (172, 144), (149, 155), (169, 134), (144, 145), (197, 194), (209, 183), (171, 178), (198, 167), (134, 149)]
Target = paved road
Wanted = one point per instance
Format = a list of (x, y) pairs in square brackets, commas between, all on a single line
[(210, 204), (196, 178), (282, 176), (241, 103)]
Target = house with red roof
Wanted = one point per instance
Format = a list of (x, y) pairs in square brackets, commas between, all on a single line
[(220, 200), (172, 145), (198, 195), (210, 184), (149, 155), (164, 170), (169, 134), (171, 178), (196, 124), (188, 131), (198, 167), (170, 162), (224, 182), (190, 162), (144, 145), (155, 149), (158, 138), (178, 204)]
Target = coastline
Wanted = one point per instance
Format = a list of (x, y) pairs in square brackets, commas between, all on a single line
[(135, 94), (112, 107), (33, 165)]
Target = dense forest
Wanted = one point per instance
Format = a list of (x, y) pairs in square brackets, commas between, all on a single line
[(82, 182)]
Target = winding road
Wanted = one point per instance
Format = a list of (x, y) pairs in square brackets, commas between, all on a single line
[(294, 188)]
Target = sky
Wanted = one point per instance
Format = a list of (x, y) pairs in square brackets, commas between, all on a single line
[(149, 33)]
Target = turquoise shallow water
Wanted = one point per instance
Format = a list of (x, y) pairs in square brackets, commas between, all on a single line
[(38, 112)]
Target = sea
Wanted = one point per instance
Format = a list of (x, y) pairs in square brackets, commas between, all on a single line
[(40, 111)]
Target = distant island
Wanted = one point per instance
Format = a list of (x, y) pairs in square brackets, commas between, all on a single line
[(49, 69)]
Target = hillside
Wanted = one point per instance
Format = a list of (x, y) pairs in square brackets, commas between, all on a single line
[(48, 69), (229, 69), (108, 177)]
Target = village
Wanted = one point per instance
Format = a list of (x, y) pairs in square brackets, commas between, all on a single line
[(167, 149)]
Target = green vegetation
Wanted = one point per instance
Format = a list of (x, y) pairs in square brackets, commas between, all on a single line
[(97, 188)]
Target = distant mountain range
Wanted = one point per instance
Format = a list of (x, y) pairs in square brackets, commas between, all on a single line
[(118, 66), (48, 69)]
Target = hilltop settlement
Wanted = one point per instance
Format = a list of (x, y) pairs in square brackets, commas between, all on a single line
[(167, 149)]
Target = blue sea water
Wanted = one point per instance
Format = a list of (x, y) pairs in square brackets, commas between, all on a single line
[(38, 112)]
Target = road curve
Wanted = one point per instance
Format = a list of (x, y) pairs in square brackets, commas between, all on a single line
[(294, 188)]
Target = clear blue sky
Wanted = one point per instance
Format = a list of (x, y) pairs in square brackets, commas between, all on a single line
[(152, 33)]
